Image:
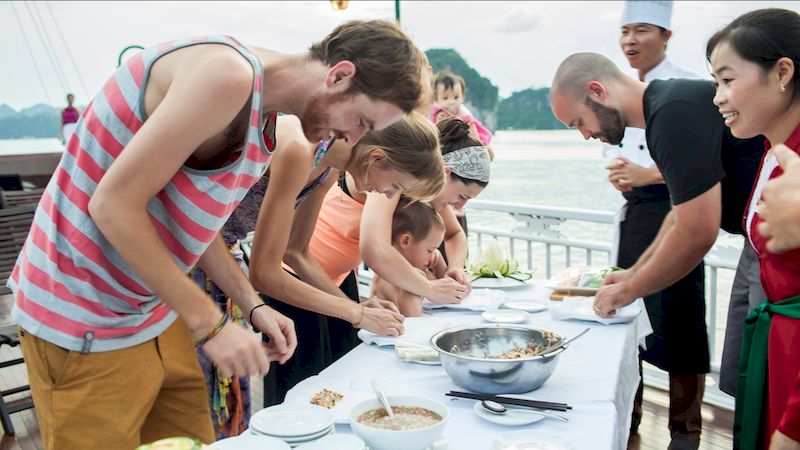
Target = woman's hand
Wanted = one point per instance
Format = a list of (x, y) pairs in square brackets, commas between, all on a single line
[(447, 291), (382, 317), (461, 276), (279, 329)]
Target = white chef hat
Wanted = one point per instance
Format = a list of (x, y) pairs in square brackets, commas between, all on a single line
[(658, 13)]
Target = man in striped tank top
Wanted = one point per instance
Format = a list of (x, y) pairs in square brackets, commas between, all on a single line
[(160, 158)]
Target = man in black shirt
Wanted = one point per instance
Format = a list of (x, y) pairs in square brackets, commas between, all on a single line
[(708, 172)]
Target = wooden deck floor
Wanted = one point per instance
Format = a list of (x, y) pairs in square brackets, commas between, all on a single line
[(654, 435)]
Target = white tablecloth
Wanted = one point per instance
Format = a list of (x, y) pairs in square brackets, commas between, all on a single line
[(597, 375)]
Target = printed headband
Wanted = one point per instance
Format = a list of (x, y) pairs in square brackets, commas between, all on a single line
[(471, 163)]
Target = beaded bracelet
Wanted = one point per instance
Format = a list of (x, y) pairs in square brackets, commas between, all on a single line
[(251, 316), (214, 331), (357, 323)]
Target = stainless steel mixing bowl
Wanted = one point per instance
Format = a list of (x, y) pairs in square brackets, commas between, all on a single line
[(463, 351)]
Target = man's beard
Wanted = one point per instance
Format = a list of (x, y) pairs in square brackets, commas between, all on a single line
[(611, 126), (316, 118)]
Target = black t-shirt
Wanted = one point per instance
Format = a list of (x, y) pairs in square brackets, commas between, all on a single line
[(694, 150)]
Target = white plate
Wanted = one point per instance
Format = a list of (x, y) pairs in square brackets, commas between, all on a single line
[(291, 421), (581, 308), (499, 283), (512, 417), (335, 442), (353, 392), (251, 442), (531, 307), (531, 440), (295, 441), (505, 316)]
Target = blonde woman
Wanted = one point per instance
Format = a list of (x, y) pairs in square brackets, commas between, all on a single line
[(403, 158)]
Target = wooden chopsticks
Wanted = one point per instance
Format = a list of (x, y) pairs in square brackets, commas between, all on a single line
[(512, 401)]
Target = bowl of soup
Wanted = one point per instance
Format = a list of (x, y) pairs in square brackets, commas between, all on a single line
[(417, 424)]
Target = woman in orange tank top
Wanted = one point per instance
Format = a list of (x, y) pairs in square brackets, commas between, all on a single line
[(402, 158)]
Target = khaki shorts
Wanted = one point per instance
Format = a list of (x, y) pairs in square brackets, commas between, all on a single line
[(118, 399)]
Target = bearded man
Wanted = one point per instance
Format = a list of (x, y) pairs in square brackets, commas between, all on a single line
[(708, 174)]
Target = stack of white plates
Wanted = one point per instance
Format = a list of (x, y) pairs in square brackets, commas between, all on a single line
[(293, 424)]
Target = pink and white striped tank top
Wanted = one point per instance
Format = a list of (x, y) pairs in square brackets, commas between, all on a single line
[(71, 287)]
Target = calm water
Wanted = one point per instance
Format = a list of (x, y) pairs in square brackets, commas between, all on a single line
[(542, 167), (552, 168)]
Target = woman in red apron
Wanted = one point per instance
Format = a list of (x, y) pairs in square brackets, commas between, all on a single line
[(755, 62)]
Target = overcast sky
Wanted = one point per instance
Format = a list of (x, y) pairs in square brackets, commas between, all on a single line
[(517, 45)]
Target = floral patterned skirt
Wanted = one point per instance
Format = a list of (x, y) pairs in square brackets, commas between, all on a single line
[(228, 398)]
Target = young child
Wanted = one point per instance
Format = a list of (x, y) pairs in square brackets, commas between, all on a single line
[(449, 93), (417, 233)]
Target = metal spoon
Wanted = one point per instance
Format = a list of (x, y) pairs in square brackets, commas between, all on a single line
[(377, 387), (563, 343), (497, 408)]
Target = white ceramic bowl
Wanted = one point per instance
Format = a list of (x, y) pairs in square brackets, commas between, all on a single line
[(380, 439)]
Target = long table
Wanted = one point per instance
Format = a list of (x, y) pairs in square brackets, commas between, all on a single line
[(597, 375)]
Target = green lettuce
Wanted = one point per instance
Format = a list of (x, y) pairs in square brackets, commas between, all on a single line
[(595, 279)]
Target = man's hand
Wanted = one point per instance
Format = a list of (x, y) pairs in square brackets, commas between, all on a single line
[(279, 329), (780, 206), (617, 277), (382, 317), (613, 294), (237, 352)]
